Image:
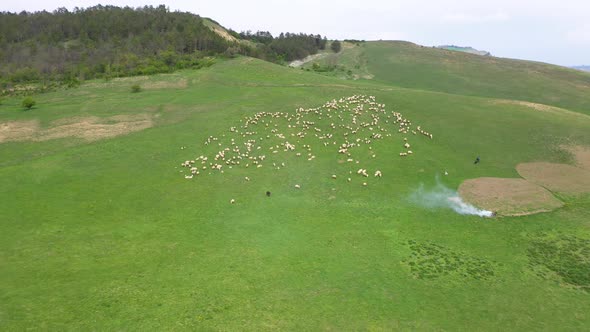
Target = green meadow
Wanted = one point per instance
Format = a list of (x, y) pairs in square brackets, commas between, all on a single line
[(106, 233), (413, 66)]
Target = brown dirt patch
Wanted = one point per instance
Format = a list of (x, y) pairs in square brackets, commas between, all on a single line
[(508, 197), (581, 154), (131, 79), (88, 128), (168, 82), (219, 30), (18, 130), (178, 84), (556, 177)]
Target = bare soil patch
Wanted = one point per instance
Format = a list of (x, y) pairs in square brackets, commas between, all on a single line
[(131, 79), (178, 84), (88, 128), (220, 30), (18, 130), (581, 154), (313, 57), (508, 197), (556, 177)]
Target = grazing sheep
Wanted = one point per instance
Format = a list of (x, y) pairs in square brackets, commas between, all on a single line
[(297, 186), (232, 201), (351, 112), (333, 176)]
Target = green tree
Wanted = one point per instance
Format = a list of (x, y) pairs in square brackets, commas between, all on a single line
[(110, 41), (28, 103), (336, 46)]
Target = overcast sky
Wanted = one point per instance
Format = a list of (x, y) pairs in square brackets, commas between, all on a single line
[(549, 31)]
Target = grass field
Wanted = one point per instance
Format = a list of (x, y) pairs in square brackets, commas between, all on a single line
[(107, 234), (413, 66)]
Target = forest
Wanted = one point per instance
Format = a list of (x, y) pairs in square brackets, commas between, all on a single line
[(65, 47)]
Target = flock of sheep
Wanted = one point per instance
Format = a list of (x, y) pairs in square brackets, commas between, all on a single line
[(344, 126)]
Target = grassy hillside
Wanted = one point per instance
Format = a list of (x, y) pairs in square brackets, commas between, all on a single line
[(109, 235), (409, 65)]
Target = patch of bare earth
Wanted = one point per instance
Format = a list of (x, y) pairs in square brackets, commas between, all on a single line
[(131, 79), (178, 84), (313, 57), (581, 154), (556, 177), (18, 130), (508, 197), (87, 128), (169, 82)]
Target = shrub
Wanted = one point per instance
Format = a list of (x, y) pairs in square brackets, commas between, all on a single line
[(28, 103), (566, 256), (135, 88), (336, 46)]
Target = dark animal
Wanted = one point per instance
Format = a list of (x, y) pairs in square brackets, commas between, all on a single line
[(268, 193), (476, 160)]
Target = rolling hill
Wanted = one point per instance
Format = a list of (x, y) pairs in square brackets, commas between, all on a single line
[(412, 66), (104, 227)]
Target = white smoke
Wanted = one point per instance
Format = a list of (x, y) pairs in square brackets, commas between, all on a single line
[(442, 197)]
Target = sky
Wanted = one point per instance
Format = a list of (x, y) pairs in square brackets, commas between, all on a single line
[(556, 32)]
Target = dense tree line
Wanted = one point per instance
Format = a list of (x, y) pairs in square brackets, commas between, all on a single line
[(101, 41), (285, 47), (107, 41)]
